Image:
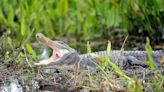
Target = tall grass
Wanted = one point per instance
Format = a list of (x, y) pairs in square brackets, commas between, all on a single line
[(82, 19)]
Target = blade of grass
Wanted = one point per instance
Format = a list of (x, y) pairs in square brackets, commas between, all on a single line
[(100, 67), (149, 52), (114, 66), (88, 47), (22, 25)]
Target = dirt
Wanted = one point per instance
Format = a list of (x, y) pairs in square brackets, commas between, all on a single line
[(38, 80)]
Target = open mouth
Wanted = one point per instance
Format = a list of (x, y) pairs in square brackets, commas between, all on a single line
[(49, 43), (57, 53)]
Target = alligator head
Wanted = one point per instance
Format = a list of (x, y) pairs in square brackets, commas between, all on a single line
[(62, 53)]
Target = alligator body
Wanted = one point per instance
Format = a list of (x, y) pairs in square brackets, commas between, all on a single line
[(63, 54), (123, 58)]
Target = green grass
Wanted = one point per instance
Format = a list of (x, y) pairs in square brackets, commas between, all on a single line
[(83, 20), (149, 52)]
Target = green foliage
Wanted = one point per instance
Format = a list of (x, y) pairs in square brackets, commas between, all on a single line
[(83, 19)]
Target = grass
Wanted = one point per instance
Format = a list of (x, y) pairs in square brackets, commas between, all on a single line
[(83, 20), (149, 51)]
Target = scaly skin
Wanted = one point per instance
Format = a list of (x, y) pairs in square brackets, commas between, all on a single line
[(65, 55)]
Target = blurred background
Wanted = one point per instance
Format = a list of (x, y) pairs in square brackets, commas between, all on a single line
[(77, 21)]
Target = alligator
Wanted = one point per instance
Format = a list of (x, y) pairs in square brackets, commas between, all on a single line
[(65, 55)]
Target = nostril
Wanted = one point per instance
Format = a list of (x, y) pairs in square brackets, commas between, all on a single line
[(37, 36)]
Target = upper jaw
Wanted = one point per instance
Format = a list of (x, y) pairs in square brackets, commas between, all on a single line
[(50, 43), (45, 40)]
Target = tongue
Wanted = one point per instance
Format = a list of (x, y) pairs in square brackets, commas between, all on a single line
[(56, 54)]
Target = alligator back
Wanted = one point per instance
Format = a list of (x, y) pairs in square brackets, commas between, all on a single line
[(122, 57)]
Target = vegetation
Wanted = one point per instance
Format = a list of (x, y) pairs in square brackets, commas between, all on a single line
[(79, 21)]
